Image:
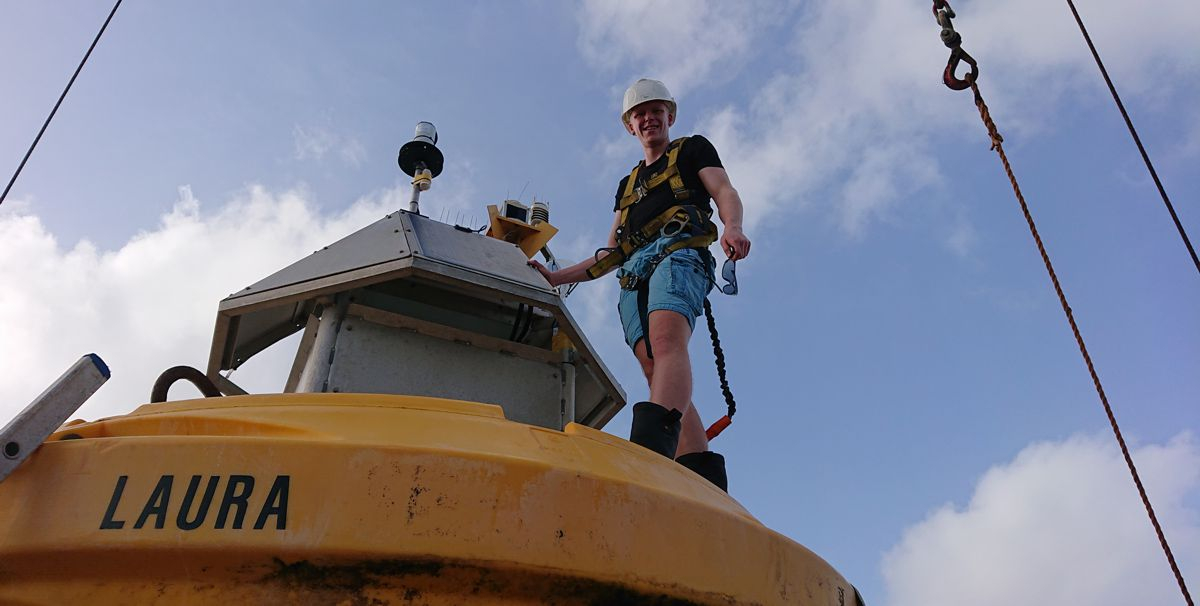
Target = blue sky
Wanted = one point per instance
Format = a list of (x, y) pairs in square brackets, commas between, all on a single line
[(911, 403)]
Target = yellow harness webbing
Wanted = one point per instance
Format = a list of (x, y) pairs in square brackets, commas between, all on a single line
[(679, 217)]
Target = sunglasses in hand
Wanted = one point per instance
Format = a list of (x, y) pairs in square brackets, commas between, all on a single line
[(728, 273)]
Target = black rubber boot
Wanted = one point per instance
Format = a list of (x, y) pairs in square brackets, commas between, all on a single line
[(656, 428), (708, 465)]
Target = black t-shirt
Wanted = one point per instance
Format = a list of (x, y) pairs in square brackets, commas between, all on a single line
[(697, 153)]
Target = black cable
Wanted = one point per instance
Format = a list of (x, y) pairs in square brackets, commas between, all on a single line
[(60, 100), (528, 324), (1136, 139), (516, 327), (169, 376)]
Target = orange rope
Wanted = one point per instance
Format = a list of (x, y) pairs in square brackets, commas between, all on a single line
[(998, 145)]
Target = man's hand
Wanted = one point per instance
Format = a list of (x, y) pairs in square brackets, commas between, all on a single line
[(545, 271), (735, 243)]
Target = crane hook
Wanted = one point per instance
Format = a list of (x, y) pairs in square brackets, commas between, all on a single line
[(953, 40)]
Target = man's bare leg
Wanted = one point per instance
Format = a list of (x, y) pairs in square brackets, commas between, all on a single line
[(669, 375), (692, 437), (671, 385)]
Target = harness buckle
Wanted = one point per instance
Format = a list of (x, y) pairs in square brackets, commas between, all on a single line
[(639, 192), (681, 220), (629, 281), (672, 227)]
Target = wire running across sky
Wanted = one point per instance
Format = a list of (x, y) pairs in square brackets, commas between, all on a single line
[(66, 90), (1137, 140)]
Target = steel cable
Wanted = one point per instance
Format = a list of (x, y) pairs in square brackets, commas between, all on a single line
[(60, 100), (1136, 139)]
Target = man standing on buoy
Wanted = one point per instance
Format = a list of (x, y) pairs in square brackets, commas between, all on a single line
[(660, 239)]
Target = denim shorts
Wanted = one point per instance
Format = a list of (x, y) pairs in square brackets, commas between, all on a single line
[(680, 284)]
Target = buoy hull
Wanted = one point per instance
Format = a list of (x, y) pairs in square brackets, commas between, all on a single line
[(341, 498)]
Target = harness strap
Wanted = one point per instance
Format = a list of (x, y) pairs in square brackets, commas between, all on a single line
[(628, 199), (674, 179), (630, 196), (670, 174), (642, 285), (643, 302), (672, 221)]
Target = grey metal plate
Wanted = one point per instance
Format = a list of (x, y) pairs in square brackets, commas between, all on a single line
[(379, 242), (258, 331), (379, 359), (469, 250)]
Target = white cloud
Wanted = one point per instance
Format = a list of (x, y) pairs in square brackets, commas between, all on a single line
[(151, 303), (453, 197), (594, 303), (314, 143), (1060, 524), (1139, 44), (847, 128), (961, 237), (613, 153), (682, 42), (16, 206)]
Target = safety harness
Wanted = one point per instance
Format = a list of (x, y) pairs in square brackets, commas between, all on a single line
[(670, 222), (679, 219)]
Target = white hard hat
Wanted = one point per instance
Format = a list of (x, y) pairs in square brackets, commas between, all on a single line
[(646, 90)]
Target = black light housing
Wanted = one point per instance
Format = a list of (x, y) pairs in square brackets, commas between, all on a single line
[(421, 152)]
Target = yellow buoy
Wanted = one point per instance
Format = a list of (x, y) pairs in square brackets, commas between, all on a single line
[(348, 498)]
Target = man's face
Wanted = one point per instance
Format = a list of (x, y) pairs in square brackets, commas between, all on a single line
[(649, 122)]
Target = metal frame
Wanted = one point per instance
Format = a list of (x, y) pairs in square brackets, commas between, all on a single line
[(412, 264), (306, 345)]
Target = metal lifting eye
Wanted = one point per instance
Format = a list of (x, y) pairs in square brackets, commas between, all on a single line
[(673, 227)]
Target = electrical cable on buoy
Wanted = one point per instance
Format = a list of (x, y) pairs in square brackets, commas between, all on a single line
[(943, 12)]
